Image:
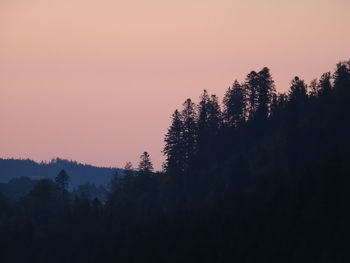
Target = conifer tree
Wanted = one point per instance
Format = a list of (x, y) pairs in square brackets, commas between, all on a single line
[(202, 118), (214, 114), (128, 169), (174, 148), (325, 86), (265, 91), (209, 114), (203, 109), (314, 88), (234, 105), (251, 86), (189, 132), (145, 165), (208, 123), (342, 78), (62, 180), (298, 90)]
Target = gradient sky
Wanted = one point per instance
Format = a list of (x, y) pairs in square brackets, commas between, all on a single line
[(96, 81)]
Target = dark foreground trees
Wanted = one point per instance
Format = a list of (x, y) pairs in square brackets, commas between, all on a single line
[(266, 180)]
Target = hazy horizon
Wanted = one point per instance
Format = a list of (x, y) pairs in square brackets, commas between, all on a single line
[(97, 81)]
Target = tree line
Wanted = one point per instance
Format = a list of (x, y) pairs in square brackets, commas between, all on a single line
[(262, 176)]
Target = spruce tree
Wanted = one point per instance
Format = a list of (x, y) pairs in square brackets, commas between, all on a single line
[(325, 86), (145, 165), (202, 120), (174, 148), (208, 122), (265, 91), (214, 115), (298, 90), (189, 132), (251, 86), (62, 180), (203, 110), (234, 105)]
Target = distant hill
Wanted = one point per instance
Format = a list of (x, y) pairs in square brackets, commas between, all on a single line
[(79, 173)]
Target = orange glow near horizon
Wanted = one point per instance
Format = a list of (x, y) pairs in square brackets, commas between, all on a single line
[(96, 81)]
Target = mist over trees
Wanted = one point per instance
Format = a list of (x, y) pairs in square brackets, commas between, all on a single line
[(261, 177)]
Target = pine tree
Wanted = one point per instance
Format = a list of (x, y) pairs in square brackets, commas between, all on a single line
[(209, 112), (174, 148), (278, 102), (234, 105), (325, 86), (189, 132), (202, 121), (208, 123), (62, 180), (214, 114), (145, 165), (251, 86), (265, 91), (298, 90), (342, 79), (203, 110), (314, 88)]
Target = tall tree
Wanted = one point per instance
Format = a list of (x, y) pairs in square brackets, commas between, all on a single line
[(145, 165), (214, 114), (265, 91), (174, 148), (189, 132), (62, 180), (314, 88), (251, 86), (234, 105), (325, 86), (202, 120), (342, 79), (298, 90), (203, 110), (208, 123)]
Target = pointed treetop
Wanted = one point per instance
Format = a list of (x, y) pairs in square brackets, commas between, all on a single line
[(145, 164)]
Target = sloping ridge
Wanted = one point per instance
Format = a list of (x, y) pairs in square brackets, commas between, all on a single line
[(79, 173)]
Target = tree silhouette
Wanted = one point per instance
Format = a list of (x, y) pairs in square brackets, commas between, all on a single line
[(145, 165), (189, 133), (325, 86), (234, 105), (62, 180), (251, 87), (265, 90), (270, 188), (203, 110), (128, 169), (214, 115), (298, 90), (174, 148), (203, 122), (208, 123)]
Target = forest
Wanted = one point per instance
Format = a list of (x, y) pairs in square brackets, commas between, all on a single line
[(262, 176), (79, 173)]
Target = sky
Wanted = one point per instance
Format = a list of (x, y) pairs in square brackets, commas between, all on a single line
[(97, 80)]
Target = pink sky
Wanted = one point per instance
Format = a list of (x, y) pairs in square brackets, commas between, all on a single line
[(96, 81)]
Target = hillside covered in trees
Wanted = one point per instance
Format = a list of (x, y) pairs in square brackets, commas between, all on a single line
[(79, 173), (262, 177)]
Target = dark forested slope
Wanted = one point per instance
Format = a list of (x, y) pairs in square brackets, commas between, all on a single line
[(264, 177), (79, 173)]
